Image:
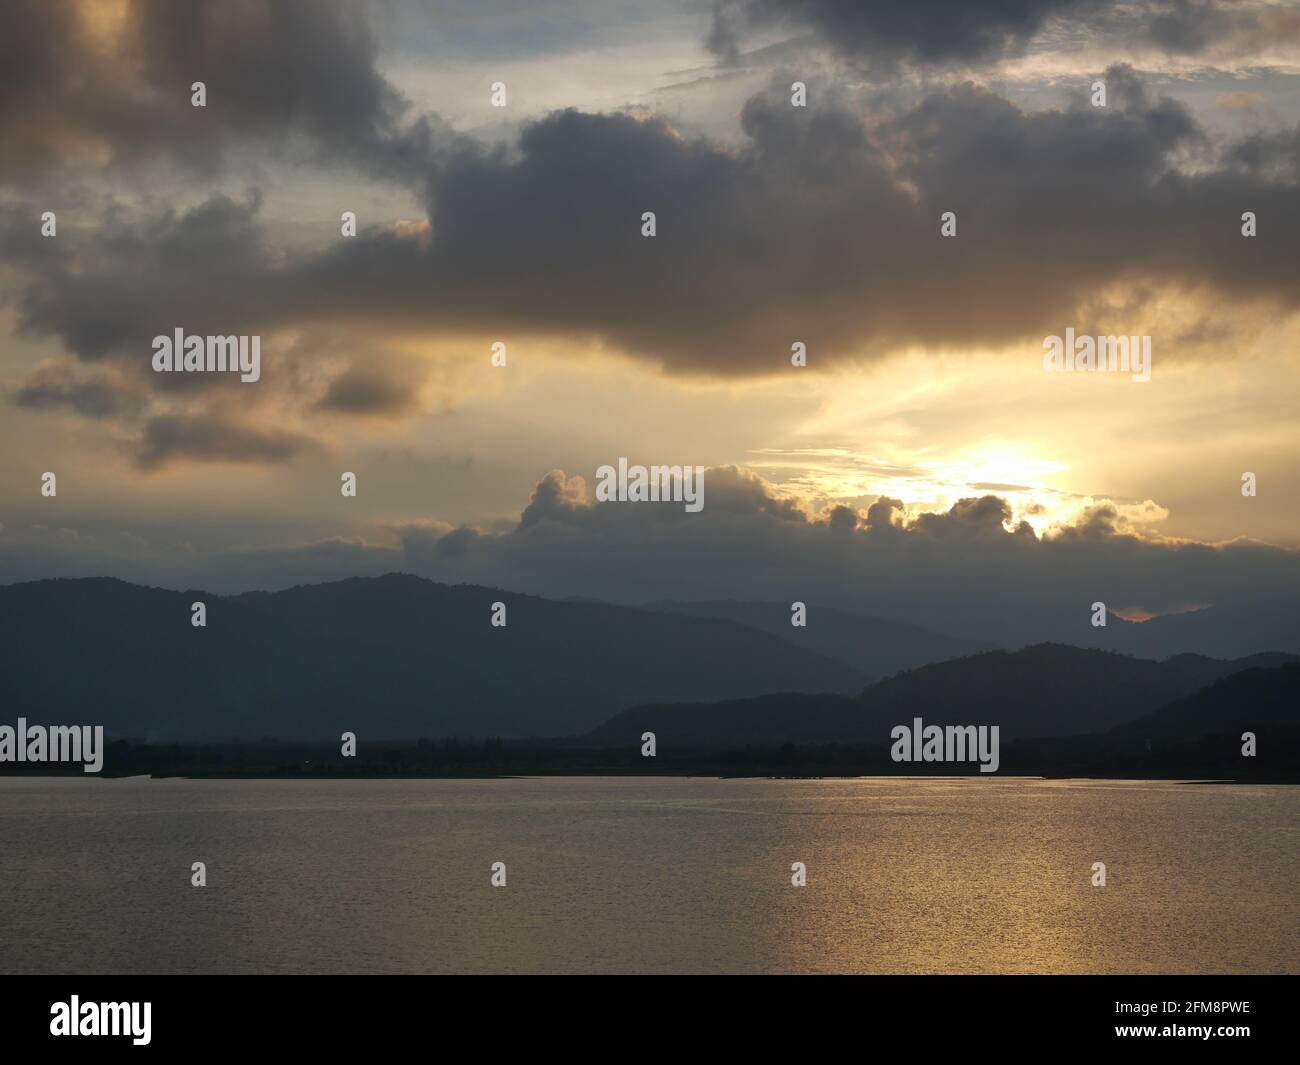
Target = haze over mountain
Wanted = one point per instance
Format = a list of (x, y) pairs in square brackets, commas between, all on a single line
[(1226, 631), (872, 645), (1230, 629), (1049, 690)]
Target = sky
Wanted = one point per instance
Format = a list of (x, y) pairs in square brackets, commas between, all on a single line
[(922, 464)]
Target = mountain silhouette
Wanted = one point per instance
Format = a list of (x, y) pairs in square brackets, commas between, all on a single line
[(1248, 701), (1048, 690), (400, 657), (388, 657)]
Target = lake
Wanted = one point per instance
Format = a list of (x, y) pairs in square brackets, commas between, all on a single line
[(647, 874)]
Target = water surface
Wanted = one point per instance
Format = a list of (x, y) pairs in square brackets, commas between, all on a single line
[(647, 875)]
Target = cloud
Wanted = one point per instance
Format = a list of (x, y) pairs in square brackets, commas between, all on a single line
[(171, 438), (1192, 27), (365, 392), (56, 385), (554, 496), (892, 31), (110, 291), (968, 568), (817, 230), (885, 34), (86, 83), (821, 231)]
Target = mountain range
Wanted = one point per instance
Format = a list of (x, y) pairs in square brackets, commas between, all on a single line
[(1044, 691), (401, 657), (392, 657)]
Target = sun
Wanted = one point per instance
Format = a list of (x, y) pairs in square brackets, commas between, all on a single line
[(1001, 464)]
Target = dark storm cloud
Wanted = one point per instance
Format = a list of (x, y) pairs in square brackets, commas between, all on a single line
[(118, 287), (749, 543), (1188, 27), (1268, 155), (968, 570), (107, 292), (366, 392), (1191, 27), (58, 386), (22, 246), (886, 33), (212, 438), (889, 31), (76, 85), (815, 230)]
